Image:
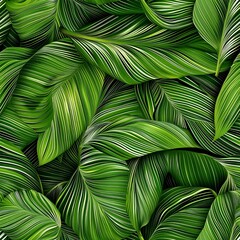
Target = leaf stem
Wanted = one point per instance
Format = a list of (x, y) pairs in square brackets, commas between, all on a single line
[(140, 236)]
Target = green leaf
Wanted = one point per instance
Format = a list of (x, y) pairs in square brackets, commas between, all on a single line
[(169, 14), (223, 218), (147, 176), (67, 233), (181, 214), (38, 17), (218, 23), (144, 51), (29, 215), (11, 61), (227, 108), (157, 105), (93, 201), (61, 170), (232, 165), (131, 137), (113, 105), (99, 1), (74, 14), (14, 130), (3, 236), (16, 172), (54, 88), (122, 7), (183, 167), (5, 23)]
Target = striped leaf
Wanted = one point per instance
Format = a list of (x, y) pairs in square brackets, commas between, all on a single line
[(181, 214), (67, 233), (218, 22), (146, 179), (29, 215), (3, 236), (55, 87), (61, 169), (16, 172), (93, 201), (14, 130), (131, 137), (227, 108), (11, 62), (144, 51), (5, 22), (232, 165), (182, 166), (98, 1), (38, 17), (170, 14), (74, 14), (223, 218), (197, 107), (122, 7)]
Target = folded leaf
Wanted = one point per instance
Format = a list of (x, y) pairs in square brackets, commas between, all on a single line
[(93, 201), (57, 95), (147, 176), (227, 108), (223, 218), (29, 215), (218, 22), (181, 214), (133, 50)]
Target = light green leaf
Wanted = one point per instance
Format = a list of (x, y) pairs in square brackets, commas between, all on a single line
[(5, 22), (16, 172), (147, 176), (133, 50), (93, 201), (227, 108), (57, 95), (170, 14), (223, 218), (99, 1), (29, 215), (218, 22), (181, 214), (131, 137)]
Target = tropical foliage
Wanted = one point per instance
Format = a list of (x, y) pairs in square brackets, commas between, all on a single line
[(119, 119)]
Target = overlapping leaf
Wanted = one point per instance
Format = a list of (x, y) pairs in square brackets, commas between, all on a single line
[(16, 172), (29, 215), (218, 22), (227, 106), (144, 51), (55, 87), (169, 14)]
